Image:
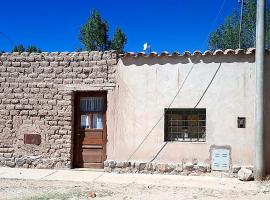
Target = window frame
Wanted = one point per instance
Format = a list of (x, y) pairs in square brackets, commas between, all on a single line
[(167, 137), (102, 112)]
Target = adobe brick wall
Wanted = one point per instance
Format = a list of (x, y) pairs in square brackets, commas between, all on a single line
[(36, 96)]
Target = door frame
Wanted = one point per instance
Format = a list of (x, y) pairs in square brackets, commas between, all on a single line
[(76, 124)]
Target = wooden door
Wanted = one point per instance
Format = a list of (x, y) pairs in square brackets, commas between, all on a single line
[(90, 130)]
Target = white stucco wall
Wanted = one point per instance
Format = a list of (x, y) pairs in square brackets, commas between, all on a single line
[(146, 86)]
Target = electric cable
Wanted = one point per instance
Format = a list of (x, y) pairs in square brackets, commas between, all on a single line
[(177, 93), (209, 84), (214, 22)]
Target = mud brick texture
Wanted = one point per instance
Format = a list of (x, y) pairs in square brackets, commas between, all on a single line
[(37, 96)]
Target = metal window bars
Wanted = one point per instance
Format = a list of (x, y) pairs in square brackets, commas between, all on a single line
[(185, 124)]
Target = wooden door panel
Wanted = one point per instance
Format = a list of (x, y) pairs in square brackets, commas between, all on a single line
[(90, 143), (91, 139), (93, 135), (92, 155), (87, 140)]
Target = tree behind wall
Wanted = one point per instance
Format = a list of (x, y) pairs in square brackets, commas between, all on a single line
[(226, 36), (119, 40), (18, 48), (31, 49), (94, 35)]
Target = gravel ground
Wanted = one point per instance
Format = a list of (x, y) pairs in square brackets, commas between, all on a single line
[(60, 190)]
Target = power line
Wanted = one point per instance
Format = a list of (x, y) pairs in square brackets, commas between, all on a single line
[(206, 89), (208, 85), (240, 22), (178, 91), (215, 21)]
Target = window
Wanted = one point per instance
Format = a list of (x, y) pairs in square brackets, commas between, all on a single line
[(91, 109), (91, 104), (93, 121), (186, 125)]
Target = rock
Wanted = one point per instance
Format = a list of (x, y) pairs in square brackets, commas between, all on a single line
[(171, 167), (40, 166), (144, 171), (106, 163), (163, 168), (194, 173), (25, 166), (202, 167), (108, 169), (118, 170), (245, 174), (57, 165), (134, 170), (188, 167), (10, 163), (195, 161), (178, 168), (19, 162), (236, 168), (122, 164), (185, 173), (7, 155), (128, 170), (91, 194), (119, 164), (132, 164), (250, 167), (29, 161), (137, 165), (112, 164), (174, 172), (150, 166), (142, 167)]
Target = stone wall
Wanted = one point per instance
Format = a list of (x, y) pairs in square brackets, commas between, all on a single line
[(182, 168), (36, 97)]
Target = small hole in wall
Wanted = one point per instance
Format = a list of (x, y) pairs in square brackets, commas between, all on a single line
[(241, 122)]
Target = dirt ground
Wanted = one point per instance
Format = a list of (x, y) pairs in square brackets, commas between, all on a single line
[(60, 190)]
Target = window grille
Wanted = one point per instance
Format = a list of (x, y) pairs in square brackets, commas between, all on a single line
[(185, 125)]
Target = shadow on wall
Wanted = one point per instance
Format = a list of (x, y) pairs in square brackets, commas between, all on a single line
[(267, 115), (162, 60)]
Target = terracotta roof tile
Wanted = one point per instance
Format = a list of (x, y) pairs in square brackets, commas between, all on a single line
[(195, 53)]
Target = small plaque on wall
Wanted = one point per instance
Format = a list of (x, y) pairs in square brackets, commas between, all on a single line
[(32, 139)]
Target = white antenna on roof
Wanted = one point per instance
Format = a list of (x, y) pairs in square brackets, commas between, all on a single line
[(146, 47)]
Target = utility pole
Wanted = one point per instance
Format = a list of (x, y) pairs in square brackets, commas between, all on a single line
[(240, 22), (259, 113)]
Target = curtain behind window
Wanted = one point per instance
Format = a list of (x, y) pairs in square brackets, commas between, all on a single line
[(92, 104)]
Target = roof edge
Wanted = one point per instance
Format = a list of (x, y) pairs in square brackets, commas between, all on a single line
[(218, 52)]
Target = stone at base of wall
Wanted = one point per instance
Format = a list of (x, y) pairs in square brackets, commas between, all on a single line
[(186, 169), (35, 162), (156, 168), (244, 173)]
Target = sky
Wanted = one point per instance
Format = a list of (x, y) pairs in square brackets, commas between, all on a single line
[(167, 25)]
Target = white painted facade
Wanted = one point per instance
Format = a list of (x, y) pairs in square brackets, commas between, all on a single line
[(145, 86)]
